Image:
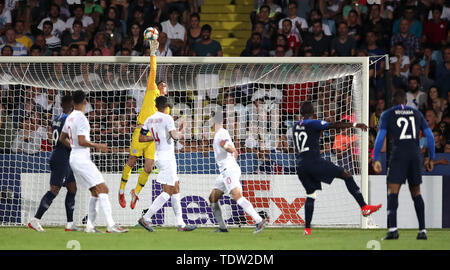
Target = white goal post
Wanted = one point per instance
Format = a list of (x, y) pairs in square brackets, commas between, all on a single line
[(259, 98)]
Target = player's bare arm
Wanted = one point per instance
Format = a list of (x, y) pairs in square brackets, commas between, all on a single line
[(344, 125), (102, 147), (229, 148), (64, 139), (145, 138)]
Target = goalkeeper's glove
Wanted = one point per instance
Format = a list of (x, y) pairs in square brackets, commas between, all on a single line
[(154, 44)]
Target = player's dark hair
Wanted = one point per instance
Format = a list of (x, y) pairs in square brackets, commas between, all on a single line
[(161, 102), (78, 97), (307, 109), (66, 102), (399, 97)]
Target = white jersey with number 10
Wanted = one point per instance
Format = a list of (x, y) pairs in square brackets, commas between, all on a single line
[(223, 158)]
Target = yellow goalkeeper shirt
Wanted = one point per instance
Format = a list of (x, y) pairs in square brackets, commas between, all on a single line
[(151, 93)]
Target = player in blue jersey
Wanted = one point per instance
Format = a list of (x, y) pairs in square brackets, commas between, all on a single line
[(61, 174), (403, 125), (312, 169)]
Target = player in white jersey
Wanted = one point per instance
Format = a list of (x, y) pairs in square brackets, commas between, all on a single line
[(160, 128), (76, 131), (228, 181)]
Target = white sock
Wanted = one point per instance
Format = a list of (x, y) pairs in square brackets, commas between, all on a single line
[(392, 229), (248, 208), (176, 206), (105, 205), (92, 212), (120, 191), (156, 205)]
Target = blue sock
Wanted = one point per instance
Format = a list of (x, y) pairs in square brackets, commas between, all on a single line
[(309, 209), (46, 201), (355, 191), (419, 205), (392, 205), (70, 205)]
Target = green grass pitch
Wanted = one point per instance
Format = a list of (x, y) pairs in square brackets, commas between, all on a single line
[(55, 238)]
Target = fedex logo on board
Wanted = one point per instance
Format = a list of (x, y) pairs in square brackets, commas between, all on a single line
[(199, 206)]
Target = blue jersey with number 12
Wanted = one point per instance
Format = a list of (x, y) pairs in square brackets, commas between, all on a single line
[(306, 134)]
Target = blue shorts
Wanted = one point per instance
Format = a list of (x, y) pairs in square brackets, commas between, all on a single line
[(404, 166), (313, 172), (61, 173)]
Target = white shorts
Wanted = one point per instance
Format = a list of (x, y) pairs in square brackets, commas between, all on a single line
[(167, 172), (85, 172), (228, 180)]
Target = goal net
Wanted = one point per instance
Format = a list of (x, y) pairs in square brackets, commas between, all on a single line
[(259, 98)]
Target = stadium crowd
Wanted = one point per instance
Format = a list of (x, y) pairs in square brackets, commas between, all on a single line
[(414, 33)]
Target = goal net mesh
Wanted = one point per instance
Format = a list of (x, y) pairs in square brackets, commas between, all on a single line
[(260, 104)]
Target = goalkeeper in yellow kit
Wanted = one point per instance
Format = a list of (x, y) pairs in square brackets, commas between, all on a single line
[(146, 149)]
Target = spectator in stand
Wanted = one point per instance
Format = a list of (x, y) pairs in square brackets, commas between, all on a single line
[(317, 43), (439, 142), (435, 30), (114, 33), (19, 27), (343, 44), (371, 47), (53, 42), (175, 32), (100, 42), (40, 41), (414, 26), (355, 5), (266, 39), (193, 33), (400, 66), (136, 37), (79, 15), (59, 26), (299, 25), (31, 138), (7, 50), (380, 26), (375, 116), (354, 26), (148, 8), (139, 19), (91, 7), (5, 18), (431, 117), (163, 49), (275, 10), (255, 48), (327, 29), (74, 50), (445, 10), (127, 43), (281, 47), (76, 37), (35, 50), (293, 38), (119, 25), (411, 42), (270, 27), (415, 98), (207, 46), (10, 39), (442, 78), (425, 82)]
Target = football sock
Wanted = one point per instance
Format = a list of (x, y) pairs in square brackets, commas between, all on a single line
[(126, 172), (105, 205), (309, 209), (156, 205), (392, 205), (92, 212), (70, 205), (248, 208), (217, 212), (353, 188), (143, 177), (46, 201), (177, 210), (419, 205)]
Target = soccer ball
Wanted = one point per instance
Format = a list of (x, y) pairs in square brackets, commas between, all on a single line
[(151, 34)]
